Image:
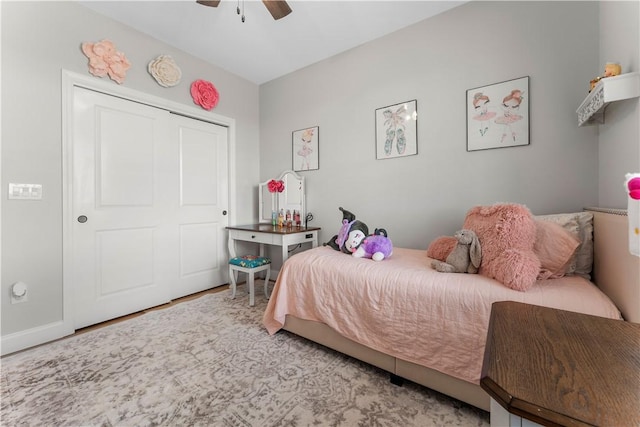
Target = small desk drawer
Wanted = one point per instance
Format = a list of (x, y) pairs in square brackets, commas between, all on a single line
[(302, 237), (251, 236)]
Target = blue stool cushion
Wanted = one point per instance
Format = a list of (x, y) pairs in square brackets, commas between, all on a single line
[(250, 261)]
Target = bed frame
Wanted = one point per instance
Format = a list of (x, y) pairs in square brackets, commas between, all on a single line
[(615, 271)]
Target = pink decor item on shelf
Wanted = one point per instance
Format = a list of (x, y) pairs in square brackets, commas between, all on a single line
[(632, 182), (204, 94), (105, 60)]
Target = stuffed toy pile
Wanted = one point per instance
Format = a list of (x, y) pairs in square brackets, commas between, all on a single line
[(507, 233), (353, 238)]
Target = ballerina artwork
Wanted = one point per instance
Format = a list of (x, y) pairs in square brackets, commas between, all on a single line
[(510, 107), (394, 121), (305, 149), (498, 115), (484, 116), (396, 130)]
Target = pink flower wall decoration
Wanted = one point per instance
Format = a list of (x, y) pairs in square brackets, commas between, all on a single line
[(105, 60), (204, 94)]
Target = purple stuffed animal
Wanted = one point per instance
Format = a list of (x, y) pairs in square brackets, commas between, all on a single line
[(376, 246)]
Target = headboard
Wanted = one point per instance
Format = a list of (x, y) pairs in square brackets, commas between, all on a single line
[(615, 270)]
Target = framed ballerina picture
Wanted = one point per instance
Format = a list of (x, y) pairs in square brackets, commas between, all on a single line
[(397, 130), (305, 149), (498, 115)]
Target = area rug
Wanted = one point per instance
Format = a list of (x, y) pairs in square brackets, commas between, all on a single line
[(209, 362)]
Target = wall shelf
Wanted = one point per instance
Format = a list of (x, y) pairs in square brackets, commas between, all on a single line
[(608, 90)]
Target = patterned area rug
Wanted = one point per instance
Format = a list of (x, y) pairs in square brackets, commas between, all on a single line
[(209, 362)]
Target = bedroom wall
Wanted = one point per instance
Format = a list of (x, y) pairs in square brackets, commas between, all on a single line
[(619, 137), (435, 61), (39, 39)]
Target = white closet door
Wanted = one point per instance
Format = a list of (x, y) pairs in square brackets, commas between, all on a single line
[(149, 189), (203, 199)]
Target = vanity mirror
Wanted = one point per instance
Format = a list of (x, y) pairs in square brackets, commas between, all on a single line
[(292, 198)]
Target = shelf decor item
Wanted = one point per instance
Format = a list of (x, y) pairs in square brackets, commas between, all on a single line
[(397, 130), (305, 143), (105, 60), (498, 115), (165, 71), (204, 94)]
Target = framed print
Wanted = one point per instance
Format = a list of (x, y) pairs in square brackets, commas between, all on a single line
[(397, 130), (305, 149), (498, 115)]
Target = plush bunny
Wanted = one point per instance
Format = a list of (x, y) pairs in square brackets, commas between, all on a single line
[(465, 257)]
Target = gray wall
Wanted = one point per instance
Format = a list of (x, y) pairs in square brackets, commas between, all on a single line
[(39, 39), (435, 61), (619, 138)]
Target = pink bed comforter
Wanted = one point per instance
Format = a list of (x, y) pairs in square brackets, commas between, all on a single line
[(404, 308)]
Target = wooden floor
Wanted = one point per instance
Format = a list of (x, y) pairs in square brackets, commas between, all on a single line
[(159, 307), (132, 315)]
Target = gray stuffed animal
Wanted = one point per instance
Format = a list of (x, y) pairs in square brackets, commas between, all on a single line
[(465, 256)]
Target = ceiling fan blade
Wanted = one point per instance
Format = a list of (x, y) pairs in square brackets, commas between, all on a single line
[(212, 3), (277, 8)]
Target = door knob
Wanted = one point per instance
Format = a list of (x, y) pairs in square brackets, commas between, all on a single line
[(224, 212), (82, 219)]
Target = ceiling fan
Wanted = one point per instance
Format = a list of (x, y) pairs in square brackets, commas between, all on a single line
[(277, 8)]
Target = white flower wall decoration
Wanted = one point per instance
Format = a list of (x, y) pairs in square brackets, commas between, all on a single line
[(165, 70)]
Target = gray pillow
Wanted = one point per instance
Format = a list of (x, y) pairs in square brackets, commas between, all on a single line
[(580, 224)]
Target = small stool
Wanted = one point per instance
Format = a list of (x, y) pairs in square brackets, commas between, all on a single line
[(249, 264)]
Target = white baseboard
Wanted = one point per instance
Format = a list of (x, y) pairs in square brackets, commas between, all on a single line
[(35, 336)]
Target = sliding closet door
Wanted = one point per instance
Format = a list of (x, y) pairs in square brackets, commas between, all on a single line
[(202, 203), (149, 188)]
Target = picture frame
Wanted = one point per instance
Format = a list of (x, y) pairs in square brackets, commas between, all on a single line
[(498, 115), (397, 130), (305, 145)]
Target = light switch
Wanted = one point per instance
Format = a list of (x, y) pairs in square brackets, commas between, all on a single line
[(25, 191)]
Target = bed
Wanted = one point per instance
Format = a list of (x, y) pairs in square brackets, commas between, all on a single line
[(428, 327)]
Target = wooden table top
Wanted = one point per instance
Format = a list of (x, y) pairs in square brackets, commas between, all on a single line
[(273, 229), (555, 367)]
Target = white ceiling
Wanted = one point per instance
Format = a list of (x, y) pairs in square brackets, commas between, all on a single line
[(262, 49)]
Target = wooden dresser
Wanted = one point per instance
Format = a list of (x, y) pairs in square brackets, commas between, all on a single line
[(555, 367)]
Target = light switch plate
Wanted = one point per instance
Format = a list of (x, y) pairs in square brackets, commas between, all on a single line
[(25, 191)]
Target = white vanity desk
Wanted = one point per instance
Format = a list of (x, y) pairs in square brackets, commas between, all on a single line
[(291, 198), (267, 234)]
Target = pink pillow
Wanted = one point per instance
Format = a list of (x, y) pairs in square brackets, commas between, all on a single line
[(507, 233), (441, 247), (555, 248)]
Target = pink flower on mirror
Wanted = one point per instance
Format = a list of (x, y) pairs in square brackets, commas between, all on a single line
[(105, 60), (204, 94), (275, 186)]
